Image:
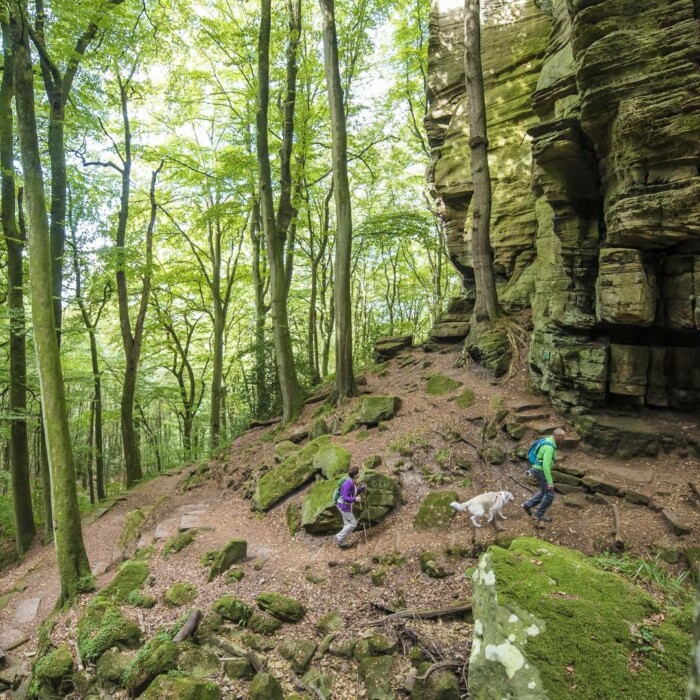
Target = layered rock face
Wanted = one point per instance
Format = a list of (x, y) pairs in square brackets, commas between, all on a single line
[(594, 117)]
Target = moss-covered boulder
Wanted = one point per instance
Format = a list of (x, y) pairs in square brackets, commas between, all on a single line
[(281, 606), (431, 566), (489, 345), (320, 682), (130, 577), (112, 664), (265, 687), (285, 449), (298, 652), (178, 542), (330, 622), (466, 398), (239, 669), (546, 618), (103, 626), (180, 594), (374, 409), (222, 560), (233, 609), (319, 427), (374, 645), (139, 599), (381, 497), (439, 385), (294, 472), (293, 516), (435, 512), (318, 512), (263, 624), (131, 531), (440, 685), (198, 662), (181, 687), (158, 655), (376, 673), (332, 461), (53, 671)]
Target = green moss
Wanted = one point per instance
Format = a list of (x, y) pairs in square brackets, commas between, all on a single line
[(430, 566), (439, 385), (235, 575), (233, 609), (103, 626), (140, 600), (195, 478), (180, 594), (158, 655), (145, 553), (378, 577), (130, 577), (232, 552), (282, 607), (265, 687), (133, 522), (293, 518), (263, 624), (589, 616), (435, 511), (182, 687), (465, 399), (179, 542), (332, 461), (406, 445), (55, 667)]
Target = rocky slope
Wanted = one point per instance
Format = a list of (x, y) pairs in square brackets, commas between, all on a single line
[(593, 113)]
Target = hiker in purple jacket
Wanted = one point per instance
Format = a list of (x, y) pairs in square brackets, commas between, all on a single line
[(350, 493)]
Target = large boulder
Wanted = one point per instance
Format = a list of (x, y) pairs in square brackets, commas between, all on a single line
[(388, 347), (332, 461), (375, 672), (103, 626), (435, 511), (181, 687), (285, 478), (375, 409), (281, 606), (546, 619)]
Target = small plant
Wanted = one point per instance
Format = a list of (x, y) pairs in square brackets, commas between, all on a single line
[(408, 444), (466, 483), (497, 403), (436, 478), (443, 458), (178, 542)]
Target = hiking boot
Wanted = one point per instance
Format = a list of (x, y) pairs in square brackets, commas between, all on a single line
[(544, 518), (527, 508), (344, 545)]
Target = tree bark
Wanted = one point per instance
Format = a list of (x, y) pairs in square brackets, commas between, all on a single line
[(25, 528), (292, 397), (694, 682), (486, 300), (345, 385), (73, 565), (260, 287)]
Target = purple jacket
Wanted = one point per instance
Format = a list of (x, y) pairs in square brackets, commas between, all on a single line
[(348, 494)]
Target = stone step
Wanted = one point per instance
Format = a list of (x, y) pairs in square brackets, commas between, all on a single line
[(27, 610), (189, 522), (524, 406), (167, 529), (11, 638), (524, 418), (543, 427)]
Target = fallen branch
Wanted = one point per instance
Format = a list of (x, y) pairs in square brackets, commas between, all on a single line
[(437, 667), (619, 542), (190, 626), (520, 483), (424, 614)]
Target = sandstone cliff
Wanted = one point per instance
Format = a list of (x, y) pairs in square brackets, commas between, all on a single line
[(594, 130)]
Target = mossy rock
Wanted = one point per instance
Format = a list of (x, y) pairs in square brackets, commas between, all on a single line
[(263, 624), (141, 600), (131, 531), (178, 542), (257, 642), (332, 461), (440, 685), (494, 454), (281, 606), (159, 655), (489, 346), (112, 665), (376, 673), (319, 427), (546, 609), (239, 669), (181, 687), (375, 645), (372, 462), (225, 558), (374, 409), (130, 577), (466, 398), (294, 472), (235, 575), (435, 512), (343, 648), (198, 662), (180, 594), (320, 682), (212, 624), (285, 449), (330, 622), (55, 669), (439, 385), (265, 687), (233, 609), (430, 566), (103, 626), (293, 518), (298, 652), (318, 512)]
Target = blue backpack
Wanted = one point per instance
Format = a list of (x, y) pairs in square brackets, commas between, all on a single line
[(535, 448)]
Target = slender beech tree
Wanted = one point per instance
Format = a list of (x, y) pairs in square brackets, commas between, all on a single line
[(73, 565), (275, 238), (345, 385), (96, 442), (58, 84), (486, 301), (25, 529)]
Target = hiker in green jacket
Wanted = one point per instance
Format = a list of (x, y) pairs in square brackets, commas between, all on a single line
[(542, 470)]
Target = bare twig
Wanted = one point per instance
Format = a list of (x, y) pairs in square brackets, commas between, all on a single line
[(520, 483), (436, 667), (424, 614)]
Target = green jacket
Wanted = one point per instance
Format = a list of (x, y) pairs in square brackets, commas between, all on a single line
[(545, 459)]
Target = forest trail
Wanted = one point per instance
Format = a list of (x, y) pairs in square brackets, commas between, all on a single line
[(311, 567)]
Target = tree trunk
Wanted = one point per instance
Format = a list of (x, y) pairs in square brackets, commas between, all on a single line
[(292, 397), (25, 528), (57, 155), (45, 482), (486, 300), (345, 385), (91, 452), (259, 288), (73, 565), (217, 365), (694, 683)]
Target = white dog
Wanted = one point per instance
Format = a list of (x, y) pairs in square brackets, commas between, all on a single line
[(493, 500)]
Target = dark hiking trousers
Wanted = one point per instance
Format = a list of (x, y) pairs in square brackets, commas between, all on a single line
[(544, 497)]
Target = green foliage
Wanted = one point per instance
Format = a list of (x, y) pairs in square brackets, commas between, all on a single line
[(180, 594), (406, 445), (443, 458)]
